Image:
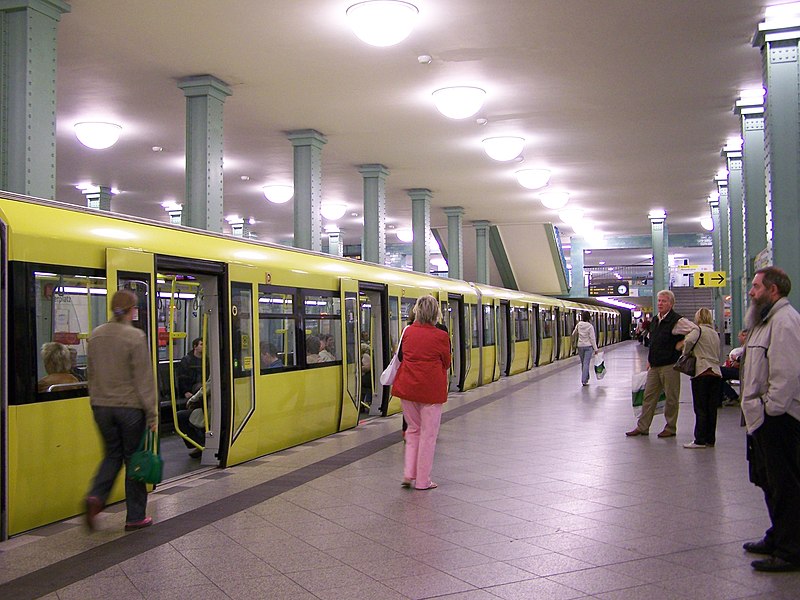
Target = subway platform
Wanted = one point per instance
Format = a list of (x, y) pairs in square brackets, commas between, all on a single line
[(540, 495)]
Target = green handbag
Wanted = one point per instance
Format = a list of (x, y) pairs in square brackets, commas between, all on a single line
[(146, 464)]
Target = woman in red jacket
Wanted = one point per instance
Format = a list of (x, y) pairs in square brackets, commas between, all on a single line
[(421, 384)]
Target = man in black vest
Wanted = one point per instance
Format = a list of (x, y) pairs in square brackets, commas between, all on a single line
[(667, 331)]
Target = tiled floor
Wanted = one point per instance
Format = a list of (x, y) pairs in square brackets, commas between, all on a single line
[(540, 495)]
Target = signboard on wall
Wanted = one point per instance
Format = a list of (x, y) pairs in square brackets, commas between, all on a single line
[(613, 287)]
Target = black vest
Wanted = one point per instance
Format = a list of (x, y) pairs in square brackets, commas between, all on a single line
[(662, 342)]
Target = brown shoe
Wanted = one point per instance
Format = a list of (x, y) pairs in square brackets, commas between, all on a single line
[(94, 507), (635, 432), (666, 434)]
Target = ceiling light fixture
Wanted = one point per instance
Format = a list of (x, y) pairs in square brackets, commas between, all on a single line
[(404, 235), (333, 211), (554, 200), (571, 215), (382, 22), (459, 102), (278, 194), (583, 228), (97, 135), (503, 148), (533, 179), (707, 223)]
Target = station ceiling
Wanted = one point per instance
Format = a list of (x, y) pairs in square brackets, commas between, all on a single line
[(628, 103)]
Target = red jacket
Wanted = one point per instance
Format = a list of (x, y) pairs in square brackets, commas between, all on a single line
[(423, 371)]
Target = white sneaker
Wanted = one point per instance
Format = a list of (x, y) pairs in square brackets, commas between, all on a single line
[(693, 446)]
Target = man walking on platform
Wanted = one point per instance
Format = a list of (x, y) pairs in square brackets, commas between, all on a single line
[(770, 395), (667, 330)]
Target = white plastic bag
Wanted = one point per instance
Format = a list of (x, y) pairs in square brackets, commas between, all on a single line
[(599, 366), (390, 372), (638, 382)]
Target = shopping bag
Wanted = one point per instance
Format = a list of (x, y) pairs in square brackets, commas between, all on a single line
[(638, 382), (599, 366), (146, 464), (390, 372)]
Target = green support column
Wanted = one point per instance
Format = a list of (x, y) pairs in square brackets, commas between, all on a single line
[(658, 231), (733, 157), (307, 145), (335, 245), (778, 40), (455, 241), (577, 281), (713, 204), (373, 246), (754, 210), (98, 197), (205, 96), (482, 250), (28, 31), (421, 227)]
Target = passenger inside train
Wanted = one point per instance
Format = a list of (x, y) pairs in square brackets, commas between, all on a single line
[(269, 356), (189, 372), (58, 364)]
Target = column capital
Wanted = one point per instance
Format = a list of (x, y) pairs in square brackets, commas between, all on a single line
[(205, 85), (306, 137), (481, 224), (51, 8), (748, 106), (778, 26), (373, 170), (419, 194), (657, 217), (454, 211)]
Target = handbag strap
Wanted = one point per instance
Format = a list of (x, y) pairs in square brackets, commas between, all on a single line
[(148, 441)]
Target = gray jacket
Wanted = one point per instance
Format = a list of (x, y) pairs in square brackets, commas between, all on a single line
[(771, 367)]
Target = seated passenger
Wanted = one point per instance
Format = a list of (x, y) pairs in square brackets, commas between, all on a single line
[(188, 373), (327, 351), (313, 347), (74, 368), (191, 420), (730, 370), (269, 356), (57, 363)]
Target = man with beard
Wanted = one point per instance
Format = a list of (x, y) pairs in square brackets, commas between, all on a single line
[(667, 331), (770, 396)]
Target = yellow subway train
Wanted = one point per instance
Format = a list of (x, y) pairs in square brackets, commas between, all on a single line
[(293, 343)]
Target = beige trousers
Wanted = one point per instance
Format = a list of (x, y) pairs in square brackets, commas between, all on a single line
[(661, 379)]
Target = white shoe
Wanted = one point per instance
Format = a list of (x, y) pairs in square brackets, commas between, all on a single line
[(693, 446)]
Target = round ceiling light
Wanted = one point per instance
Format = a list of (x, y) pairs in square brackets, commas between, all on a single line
[(533, 179), (503, 148), (382, 22), (333, 211), (554, 200), (278, 194), (707, 223), (97, 136), (459, 102), (404, 235), (583, 228), (571, 215)]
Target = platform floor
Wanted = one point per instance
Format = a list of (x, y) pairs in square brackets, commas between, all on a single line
[(540, 495)]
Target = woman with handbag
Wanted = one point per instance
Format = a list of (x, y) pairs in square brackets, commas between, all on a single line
[(122, 391), (586, 342), (421, 384), (703, 343)]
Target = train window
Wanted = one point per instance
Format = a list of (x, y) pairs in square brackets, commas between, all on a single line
[(68, 305), (394, 322), (322, 322), (475, 332), (545, 320), (521, 324), (277, 327), (406, 307), (243, 353), (488, 325)]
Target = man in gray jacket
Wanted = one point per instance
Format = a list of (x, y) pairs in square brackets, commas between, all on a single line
[(770, 395)]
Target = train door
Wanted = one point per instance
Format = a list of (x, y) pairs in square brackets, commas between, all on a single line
[(188, 320), (351, 355), (533, 312), (454, 319), (503, 338), (3, 389), (373, 347)]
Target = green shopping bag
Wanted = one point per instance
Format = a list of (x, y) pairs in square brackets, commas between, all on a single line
[(638, 381), (146, 464)]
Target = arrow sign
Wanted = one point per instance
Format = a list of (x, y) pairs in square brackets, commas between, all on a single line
[(710, 279)]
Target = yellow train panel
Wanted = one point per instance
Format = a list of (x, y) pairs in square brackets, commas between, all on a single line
[(520, 362)]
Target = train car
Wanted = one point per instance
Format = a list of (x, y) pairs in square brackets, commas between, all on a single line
[(282, 345)]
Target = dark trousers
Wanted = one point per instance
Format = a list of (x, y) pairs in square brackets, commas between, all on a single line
[(776, 457), (198, 435), (705, 400), (729, 373), (122, 430)]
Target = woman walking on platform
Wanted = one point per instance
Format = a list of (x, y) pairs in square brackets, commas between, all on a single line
[(707, 381), (587, 344), (421, 384)]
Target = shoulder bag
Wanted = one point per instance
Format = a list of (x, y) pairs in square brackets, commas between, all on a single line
[(390, 372), (687, 363), (146, 464)]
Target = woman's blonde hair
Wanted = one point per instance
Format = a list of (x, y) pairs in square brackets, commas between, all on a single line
[(427, 310), (56, 358), (703, 317)]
